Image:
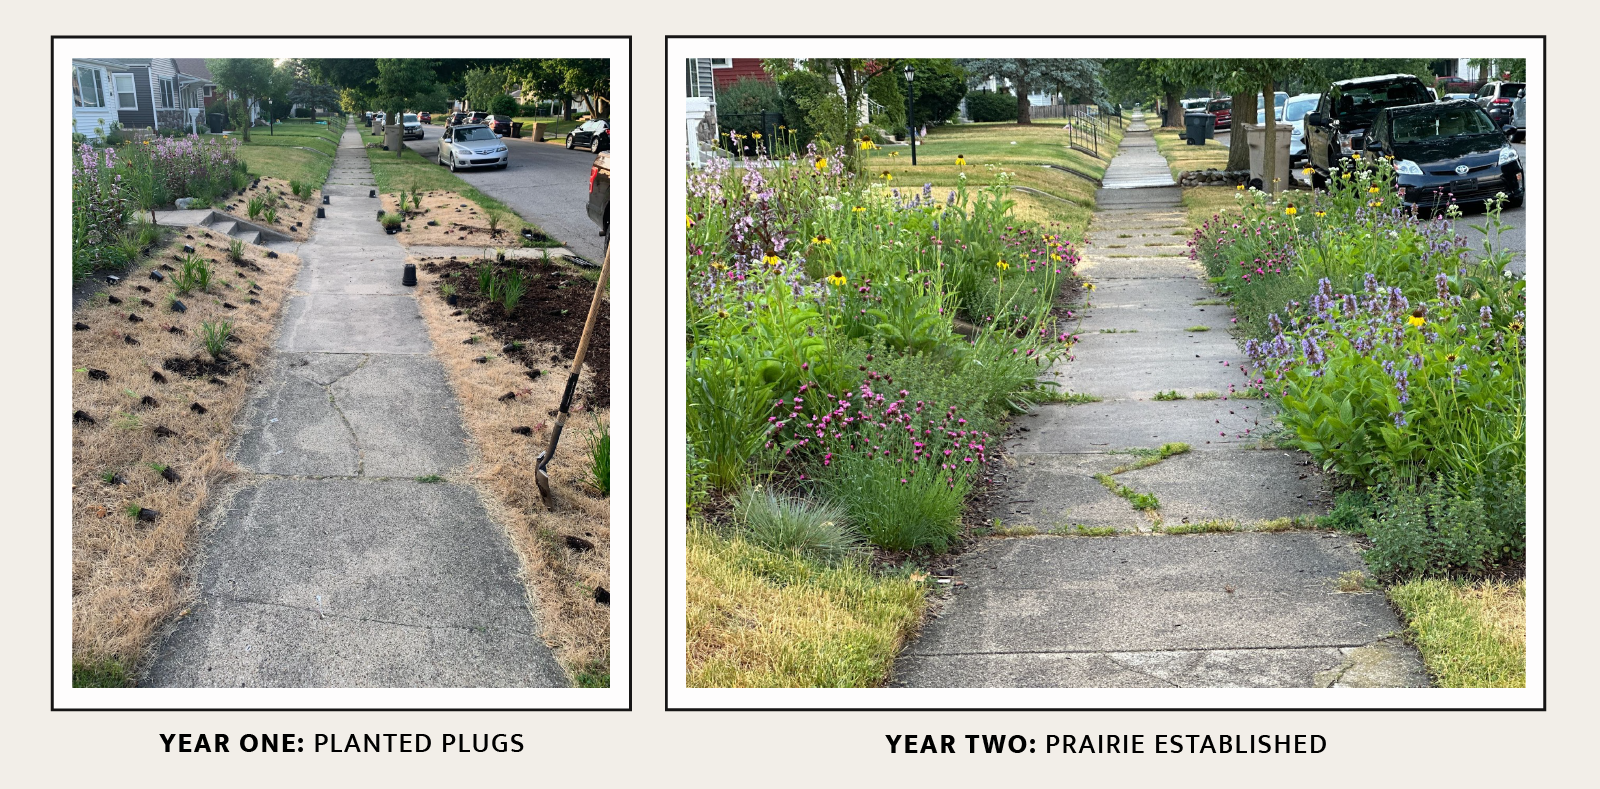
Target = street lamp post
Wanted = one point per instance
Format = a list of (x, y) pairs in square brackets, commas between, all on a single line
[(911, 110)]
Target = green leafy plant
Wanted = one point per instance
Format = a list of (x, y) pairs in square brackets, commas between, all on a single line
[(235, 250), (600, 456), (495, 219), (270, 215), (486, 280), (255, 206), (214, 336), (511, 290), (392, 220), (194, 274)]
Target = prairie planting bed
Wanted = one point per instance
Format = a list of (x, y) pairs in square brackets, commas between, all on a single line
[(854, 346), (443, 218), (284, 206), (1394, 348), (411, 173), (508, 367), (154, 394)]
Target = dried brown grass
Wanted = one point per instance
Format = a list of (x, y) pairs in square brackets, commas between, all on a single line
[(291, 209), (462, 223), (561, 582), (126, 574)]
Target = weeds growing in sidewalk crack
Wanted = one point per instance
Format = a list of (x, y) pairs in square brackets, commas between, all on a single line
[(1171, 394), (1150, 457), (1141, 501), (1198, 328), (1203, 527)]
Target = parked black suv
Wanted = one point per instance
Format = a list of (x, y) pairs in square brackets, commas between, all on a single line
[(1347, 108)]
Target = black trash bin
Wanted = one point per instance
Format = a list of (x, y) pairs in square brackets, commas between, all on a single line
[(516, 131), (217, 122), (1199, 127)]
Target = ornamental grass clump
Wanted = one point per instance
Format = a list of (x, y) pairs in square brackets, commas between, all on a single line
[(900, 468), (809, 528)]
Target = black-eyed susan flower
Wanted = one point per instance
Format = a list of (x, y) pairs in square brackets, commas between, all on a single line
[(1002, 265), (858, 209), (893, 154), (755, 135), (821, 238), (1373, 190), (887, 176), (1240, 187), (688, 222), (837, 279), (1515, 327), (961, 159), (771, 259), (1375, 204), (1419, 316), (1291, 210), (1321, 214), (822, 163)]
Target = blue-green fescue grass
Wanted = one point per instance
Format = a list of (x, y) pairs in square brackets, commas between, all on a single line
[(814, 529), (1470, 634), (600, 457), (760, 619)]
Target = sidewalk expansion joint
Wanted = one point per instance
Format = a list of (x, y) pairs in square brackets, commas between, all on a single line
[(1136, 651), (322, 613)]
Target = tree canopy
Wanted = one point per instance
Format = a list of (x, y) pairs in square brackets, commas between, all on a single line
[(248, 78), (1075, 78)]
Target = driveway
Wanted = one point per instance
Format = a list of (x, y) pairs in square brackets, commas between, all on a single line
[(545, 184)]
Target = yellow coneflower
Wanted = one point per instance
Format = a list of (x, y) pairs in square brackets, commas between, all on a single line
[(866, 145), (756, 135), (1515, 327), (1309, 171), (821, 239), (837, 279), (1002, 265), (772, 259), (1240, 187), (722, 313), (1321, 214), (1345, 176), (688, 222), (858, 209), (822, 163), (1291, 210), (961, 159), (894, 153), (718, 265), (888, 176), (1375, 204), (1088, 286), (1416, 320), (1373, 190)]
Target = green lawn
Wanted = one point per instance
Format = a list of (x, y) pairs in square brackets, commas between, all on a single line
[(410, 170), (989, 150), (281, 152), (1182, 156)]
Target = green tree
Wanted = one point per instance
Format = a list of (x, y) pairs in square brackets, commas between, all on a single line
[(307, 91), (277, 96), (247, 78), (1244, 79), (1067, 76), (402, 82), (940, 86), (482, 85)]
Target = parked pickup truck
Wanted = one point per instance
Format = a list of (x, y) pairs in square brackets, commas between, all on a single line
[(600, 193)]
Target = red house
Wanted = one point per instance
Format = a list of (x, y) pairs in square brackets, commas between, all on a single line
[(726, 71)]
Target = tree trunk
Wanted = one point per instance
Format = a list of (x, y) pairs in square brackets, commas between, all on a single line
[(1024, 109), (1269, 155), (1174, 116), (1244, 111), (566, 107)]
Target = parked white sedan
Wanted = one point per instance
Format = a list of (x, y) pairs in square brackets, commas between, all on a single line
[(472, 146)]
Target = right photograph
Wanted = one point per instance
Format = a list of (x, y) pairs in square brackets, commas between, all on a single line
[(1108, 372)]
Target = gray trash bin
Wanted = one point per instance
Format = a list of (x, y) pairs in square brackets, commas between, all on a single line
[(217, 122), (1199, 127)]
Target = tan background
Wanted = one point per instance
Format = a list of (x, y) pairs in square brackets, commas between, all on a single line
[(649, 746)]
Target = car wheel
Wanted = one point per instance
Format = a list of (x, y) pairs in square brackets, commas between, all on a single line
[(569, 142), (453, 163), (594, 145)]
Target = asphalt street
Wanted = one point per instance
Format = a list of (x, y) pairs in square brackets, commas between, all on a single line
[(545, 184)]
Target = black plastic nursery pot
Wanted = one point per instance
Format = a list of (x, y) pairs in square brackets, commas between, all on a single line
[(391, 229), (322, 213), (409, 278), (325, 200)]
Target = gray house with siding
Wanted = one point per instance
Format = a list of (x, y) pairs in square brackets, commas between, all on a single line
[(153, 93)]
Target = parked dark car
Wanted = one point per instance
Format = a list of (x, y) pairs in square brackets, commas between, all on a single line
[(599, 207), (593, 135), (1496, 99), (500, 123), (1223, 109), (1447, 152), (455, 119), (1334, 130), (425, 117), (475, 117)]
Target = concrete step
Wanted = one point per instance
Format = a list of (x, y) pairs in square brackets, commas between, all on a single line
[(248, 236), (222, 225)]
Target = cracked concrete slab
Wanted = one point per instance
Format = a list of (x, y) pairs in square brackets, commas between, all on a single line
[(1116, 424), (404, 416), (1385, 663), (400, 583), (1247, 486), (353, 270), (293, 426), (334, 323), (1049, 491)]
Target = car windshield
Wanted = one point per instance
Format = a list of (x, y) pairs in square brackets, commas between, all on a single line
[(1508, 90), (474, 135), (1219, 105), (410, 118), (1451, 121), (1368, 99), (1295, 110)]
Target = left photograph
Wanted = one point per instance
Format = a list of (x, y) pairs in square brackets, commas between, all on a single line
[(340, 371)]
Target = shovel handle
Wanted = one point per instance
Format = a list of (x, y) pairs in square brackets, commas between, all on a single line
[(577, 364)]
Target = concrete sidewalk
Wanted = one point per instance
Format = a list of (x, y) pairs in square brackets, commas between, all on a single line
[(333, 565), (1143, 608)]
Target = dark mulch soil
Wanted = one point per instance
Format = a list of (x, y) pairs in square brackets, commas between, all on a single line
[(538, 318), (198, 366)]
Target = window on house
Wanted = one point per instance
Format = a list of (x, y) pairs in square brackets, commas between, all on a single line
[(721, 62), (86, 88), (127, 97), (168, 95)]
